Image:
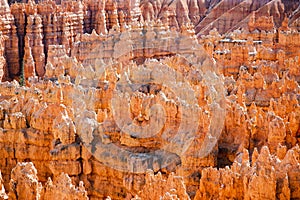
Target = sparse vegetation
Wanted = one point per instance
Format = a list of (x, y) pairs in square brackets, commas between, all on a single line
[(22, 77)]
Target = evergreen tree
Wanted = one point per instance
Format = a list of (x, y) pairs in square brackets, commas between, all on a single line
[(22, 78)]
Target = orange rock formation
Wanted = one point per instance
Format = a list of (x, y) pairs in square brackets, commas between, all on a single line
[(98, 99)]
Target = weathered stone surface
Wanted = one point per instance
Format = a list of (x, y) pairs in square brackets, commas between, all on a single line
[(70, 102), (156, 187), (265, 177), (3, 64), (24, 184), (8, 29), (29, 64), (3, 194), (62, 188)]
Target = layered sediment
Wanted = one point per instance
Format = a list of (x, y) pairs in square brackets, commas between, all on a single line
[(149, 99)]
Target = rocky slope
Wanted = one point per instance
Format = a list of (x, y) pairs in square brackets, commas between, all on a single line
[(184, 99)]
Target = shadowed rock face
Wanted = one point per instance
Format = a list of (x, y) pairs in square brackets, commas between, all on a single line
[(127, 99)]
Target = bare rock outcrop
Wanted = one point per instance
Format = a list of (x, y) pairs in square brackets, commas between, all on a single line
[(102, 91), (264, 177), (24, 184), (3, 64), (156, 187), (8, 29), (3, 194), (62, 188)]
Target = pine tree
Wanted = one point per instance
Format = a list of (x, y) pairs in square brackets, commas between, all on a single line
[(22, 78)]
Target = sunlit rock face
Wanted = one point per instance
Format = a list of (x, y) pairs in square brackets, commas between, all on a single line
[(149, 99)]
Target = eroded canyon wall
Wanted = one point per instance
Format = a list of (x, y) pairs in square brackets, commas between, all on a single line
[(76, 57)]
